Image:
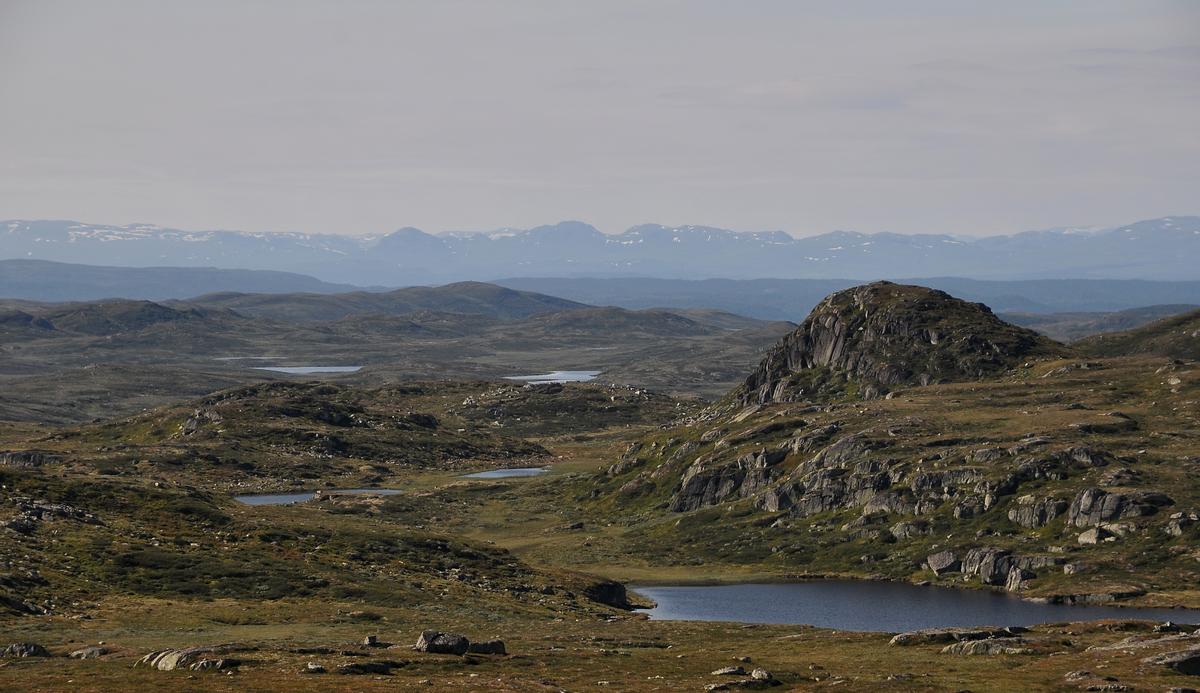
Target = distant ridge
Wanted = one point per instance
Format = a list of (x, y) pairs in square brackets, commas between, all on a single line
[(462, 297), (40, 280), (1161, 249)]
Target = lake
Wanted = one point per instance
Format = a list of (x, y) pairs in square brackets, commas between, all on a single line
[(308, 369), (300, 497), (867, 605), (507, 473), (557, 377)]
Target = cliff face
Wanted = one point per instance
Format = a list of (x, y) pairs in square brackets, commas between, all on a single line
[(874, 337)]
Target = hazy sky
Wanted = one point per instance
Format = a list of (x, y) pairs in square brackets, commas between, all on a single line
[(362, 117)]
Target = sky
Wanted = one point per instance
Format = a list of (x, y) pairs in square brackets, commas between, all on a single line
[(961, 117)]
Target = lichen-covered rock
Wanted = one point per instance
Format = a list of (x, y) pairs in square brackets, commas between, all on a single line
[(944, 562), (987, 647), (907, 530), (89, 653), (1093, 506), (216, 664), (1038, 514), (1186, 662), (707, 487), (171, 659), (1095, 535), (942, 635), (990, 564), (1017, 577), (25, 649), (437, 642)]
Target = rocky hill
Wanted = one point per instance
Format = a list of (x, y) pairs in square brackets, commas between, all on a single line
[(870, 339), (1011, 467)]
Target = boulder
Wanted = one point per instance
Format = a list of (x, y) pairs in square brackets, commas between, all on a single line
[(1082, 455), (1017, 577), (1074, 568), (89, 653), (26, 649), (907, 530), (761, 674), (493, 647), (730, 671), (944, 562), (437, 642), (625, 465), (1095, 535)]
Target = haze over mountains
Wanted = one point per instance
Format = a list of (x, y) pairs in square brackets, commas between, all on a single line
[(1160, 249)]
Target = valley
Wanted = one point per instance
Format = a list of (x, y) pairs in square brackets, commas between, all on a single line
[(898, 436)]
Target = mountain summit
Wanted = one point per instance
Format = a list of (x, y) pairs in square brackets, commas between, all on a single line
[(870, 338)]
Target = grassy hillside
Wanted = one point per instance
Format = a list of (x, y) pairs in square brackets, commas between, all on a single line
[(1175, 337)]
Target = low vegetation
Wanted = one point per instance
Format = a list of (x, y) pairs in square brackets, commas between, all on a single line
[(1051, 474)]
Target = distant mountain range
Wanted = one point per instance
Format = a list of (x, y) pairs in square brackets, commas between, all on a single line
[(792, 299), (1161, 249)]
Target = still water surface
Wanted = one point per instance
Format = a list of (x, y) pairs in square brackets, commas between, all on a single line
[(285, 498), (507, 473), (308, 369), (557, 377), (890, 607)]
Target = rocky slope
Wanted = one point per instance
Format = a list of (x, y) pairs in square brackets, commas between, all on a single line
[(1070, 480), (869, 339)]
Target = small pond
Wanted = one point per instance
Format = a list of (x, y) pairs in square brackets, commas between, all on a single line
[(864, 605), (308, 369), (300, 497), (557, 377), (507, 473)]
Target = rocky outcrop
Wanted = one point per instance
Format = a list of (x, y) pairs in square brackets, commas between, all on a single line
[(1037, 514), (31, 512), (182, 658), (1093, 506), (950, 635), (1186, 662), (28, 458), (882, 335), (703, 488)]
